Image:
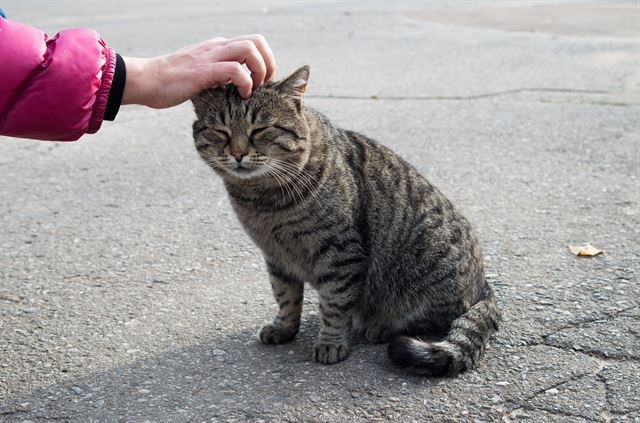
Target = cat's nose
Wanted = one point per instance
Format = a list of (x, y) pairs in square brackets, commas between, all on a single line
[(238, 156)]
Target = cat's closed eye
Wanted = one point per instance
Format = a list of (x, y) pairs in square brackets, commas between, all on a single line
[(259, 131), (286, 130), (213, 135), (276, 129), (271, 134), (223, 133)]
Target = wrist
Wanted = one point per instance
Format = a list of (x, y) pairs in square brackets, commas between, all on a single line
[(136, 88)]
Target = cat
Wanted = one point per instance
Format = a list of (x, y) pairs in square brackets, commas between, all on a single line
[(390, 256)]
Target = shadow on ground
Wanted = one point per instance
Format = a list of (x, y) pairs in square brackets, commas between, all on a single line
[(234, 373)]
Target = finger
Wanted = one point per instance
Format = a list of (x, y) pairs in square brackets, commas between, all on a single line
[(244, 52), (205, 45), (265, 50), (218, 40), (225, 72)]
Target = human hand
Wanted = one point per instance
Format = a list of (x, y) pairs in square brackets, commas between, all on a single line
[(169, 80)]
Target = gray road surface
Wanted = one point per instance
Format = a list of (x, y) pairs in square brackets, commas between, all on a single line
[(129, 292)]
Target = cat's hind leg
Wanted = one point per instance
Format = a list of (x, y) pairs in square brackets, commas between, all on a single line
[(460, 348), (288, 291), (382, 329), (380, 333)]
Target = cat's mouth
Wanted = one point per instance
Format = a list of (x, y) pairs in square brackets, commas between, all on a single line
[(241, 170)]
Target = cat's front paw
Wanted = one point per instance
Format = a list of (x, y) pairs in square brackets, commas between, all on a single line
[(276, 334), (330, 353)]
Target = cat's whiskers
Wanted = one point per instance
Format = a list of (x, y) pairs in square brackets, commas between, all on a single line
[(280, 182), (290, 181), (294, 171), (304, 177), (292, 178), (214, 162), (309, 178), (287, 183), (299, 178)]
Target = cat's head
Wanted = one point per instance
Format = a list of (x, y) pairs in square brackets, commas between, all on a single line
[(265, 135)]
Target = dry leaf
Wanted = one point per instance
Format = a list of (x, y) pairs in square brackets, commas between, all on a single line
[(586, 250)]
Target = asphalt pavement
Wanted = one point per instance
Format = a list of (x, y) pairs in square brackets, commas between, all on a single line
[(130, 293)]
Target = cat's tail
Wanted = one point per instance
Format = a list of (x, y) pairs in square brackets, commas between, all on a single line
[(462, 347)]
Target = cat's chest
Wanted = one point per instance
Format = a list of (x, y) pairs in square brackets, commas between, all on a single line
[(282, 240), (279, 236)]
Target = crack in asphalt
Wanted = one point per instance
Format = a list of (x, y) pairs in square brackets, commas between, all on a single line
[(590, 352), (607, 316), (522, 402), (557, 412), (13, 411), (469, 97), (601, 356), (624, 413), (513, 414), (42, 416), (603, 318), (603, 380), (594, 353), (607, 391)]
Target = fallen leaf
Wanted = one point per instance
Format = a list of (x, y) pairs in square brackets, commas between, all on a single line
[(585, 250)]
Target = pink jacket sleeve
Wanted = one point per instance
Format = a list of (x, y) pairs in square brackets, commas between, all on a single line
[(52, 88)]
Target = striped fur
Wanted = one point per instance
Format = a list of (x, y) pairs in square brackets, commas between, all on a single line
[(389, 255)]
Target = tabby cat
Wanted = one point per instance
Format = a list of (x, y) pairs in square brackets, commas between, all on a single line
[(389, 255)]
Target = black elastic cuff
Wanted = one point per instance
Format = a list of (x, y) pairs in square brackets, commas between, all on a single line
[(117, 89)]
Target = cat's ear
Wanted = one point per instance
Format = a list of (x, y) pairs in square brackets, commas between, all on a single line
[(295, 85)]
